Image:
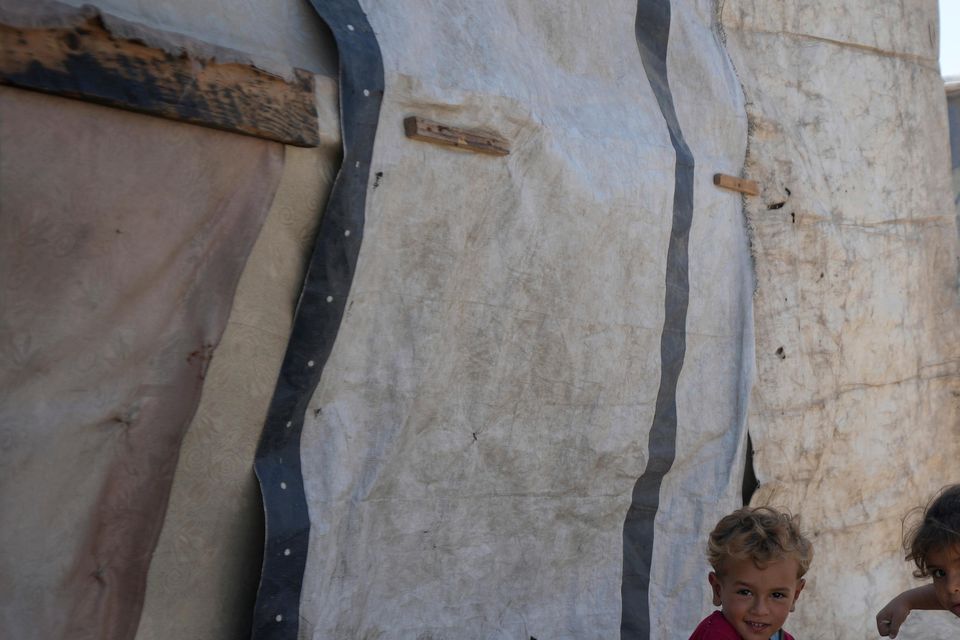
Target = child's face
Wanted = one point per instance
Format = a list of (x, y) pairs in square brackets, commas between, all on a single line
[(756, 601), (944, 566)]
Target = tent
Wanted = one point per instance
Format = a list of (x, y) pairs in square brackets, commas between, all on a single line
[(505, 303)]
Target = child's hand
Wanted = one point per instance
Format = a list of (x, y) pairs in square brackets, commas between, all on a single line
[(892, 616)]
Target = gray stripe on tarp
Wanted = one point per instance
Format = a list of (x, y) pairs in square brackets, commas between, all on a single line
[(653, 33), (315, 325)]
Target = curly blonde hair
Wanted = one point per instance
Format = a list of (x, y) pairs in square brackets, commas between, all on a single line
[(761, 534)]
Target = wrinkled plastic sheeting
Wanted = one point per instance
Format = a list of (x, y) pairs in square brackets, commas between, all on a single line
[(854, 415), (124, 237), (471, 449)]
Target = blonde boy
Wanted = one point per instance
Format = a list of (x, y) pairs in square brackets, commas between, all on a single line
[(759, 558)]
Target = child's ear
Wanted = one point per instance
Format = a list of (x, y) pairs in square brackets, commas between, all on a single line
[(715, 585), (796, 594)]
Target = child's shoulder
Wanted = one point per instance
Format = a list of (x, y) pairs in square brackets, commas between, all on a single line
[(715, 627)]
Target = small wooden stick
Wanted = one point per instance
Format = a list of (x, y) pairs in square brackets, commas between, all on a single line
[(418, 128), (742, 185)]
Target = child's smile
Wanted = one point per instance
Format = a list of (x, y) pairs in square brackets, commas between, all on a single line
[(944, 566), (756, 601)]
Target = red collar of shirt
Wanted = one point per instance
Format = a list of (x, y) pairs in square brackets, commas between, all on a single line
[(716, 627)]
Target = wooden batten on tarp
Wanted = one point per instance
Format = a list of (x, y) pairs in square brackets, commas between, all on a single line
[(733, 183), (417, 128), (81, 58)]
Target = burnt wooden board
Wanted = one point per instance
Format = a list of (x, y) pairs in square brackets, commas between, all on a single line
[(85, 61)]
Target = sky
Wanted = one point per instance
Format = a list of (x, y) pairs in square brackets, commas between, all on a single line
[(950, 37)]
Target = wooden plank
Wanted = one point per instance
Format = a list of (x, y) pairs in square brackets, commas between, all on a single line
[(419, 128), (733, 183), (84, 60)]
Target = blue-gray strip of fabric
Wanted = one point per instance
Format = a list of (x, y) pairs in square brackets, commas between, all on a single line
[(653, 33), (315, 326)]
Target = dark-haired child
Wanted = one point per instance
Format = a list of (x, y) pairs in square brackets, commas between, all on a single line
[(759, 557), (934, 546)]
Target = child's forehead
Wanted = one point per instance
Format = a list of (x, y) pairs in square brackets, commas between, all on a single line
[(944, 555), (786, 565)]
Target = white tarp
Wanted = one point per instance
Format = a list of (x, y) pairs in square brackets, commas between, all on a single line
[(470, 453)]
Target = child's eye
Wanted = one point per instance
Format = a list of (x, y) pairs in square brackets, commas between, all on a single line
[(938, 573), (779, 594), (744, 592)]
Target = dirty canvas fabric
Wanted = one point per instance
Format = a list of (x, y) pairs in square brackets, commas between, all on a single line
[(856, 307), (124, 238), (212, 538)]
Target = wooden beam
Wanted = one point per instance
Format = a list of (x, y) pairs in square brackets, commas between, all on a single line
[(419, 128), (86, 61), (733, 183)]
